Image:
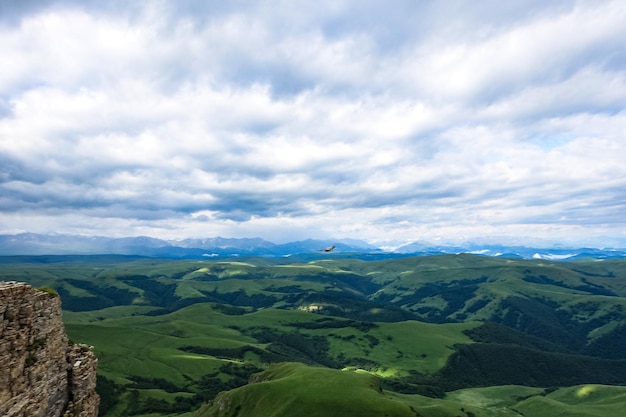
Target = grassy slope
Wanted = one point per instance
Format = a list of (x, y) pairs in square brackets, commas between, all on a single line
[(148, 345), (568, 282), (590, 296), (438, 288), (579, 401), (293, 390)]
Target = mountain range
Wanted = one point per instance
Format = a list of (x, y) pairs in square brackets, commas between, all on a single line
[(61, 244)]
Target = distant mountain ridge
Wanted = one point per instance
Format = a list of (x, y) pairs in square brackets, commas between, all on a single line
[(193, 248), (59, 244)]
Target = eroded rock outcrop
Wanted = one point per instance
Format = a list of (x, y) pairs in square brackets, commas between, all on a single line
[(41, 373)]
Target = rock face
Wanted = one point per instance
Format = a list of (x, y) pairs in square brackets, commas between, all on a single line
[(41, 373)]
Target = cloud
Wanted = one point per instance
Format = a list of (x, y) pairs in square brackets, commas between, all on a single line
[(346, 119)]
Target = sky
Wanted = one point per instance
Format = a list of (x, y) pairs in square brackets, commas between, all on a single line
[(387, 121)]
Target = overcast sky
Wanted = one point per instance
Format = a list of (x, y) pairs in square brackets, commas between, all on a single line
[(405, 120)]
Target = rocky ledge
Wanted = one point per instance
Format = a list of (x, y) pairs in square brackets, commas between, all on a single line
[(42, 374)]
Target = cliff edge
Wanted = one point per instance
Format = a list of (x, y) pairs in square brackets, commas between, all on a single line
[(42, 374)]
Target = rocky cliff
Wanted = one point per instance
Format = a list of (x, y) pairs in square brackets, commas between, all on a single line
[(42, 374)]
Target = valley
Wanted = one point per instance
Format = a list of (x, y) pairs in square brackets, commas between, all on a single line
[(446, 335)]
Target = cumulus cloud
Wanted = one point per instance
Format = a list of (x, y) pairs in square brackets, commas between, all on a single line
[(347, 119)]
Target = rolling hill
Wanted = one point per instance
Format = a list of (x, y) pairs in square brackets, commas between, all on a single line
[(428, 335)]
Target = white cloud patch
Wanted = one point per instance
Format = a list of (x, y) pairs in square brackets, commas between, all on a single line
[(349, 120)]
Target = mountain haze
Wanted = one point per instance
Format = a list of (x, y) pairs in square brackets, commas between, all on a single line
[(58, 244)]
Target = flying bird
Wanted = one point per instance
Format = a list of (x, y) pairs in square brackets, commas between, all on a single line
[(328, 249)]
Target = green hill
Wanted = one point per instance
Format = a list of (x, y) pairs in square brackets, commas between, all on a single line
[(293, 390), (297, 390), (189, 352), (172, 335)]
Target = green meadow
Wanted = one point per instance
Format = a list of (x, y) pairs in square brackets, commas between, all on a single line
[(297, 390), (450, 335)]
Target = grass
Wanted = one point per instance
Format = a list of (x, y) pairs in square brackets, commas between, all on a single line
[(149, 345), (400, 347), (419, 308), (580, 401), (298, 390), (501, 398), (294, 390)]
